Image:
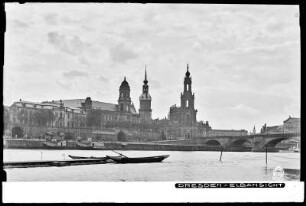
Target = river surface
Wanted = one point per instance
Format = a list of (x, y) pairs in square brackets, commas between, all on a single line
[(179, 166)]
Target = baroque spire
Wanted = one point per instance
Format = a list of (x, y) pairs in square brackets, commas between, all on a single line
[(187, 73), (145, 80)]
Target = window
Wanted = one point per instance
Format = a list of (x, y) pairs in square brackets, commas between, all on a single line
[(187, 87), (187, 103)]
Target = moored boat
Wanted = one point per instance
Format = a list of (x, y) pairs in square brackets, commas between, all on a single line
[(296, 150), (55, 144), (84, 144), (91, 157), (124, 159)]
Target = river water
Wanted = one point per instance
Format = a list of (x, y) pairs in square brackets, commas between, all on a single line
[(179, 166)]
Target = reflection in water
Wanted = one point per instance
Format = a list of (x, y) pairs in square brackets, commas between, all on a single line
[(179, 166)]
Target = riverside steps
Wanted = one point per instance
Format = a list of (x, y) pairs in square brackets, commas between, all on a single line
[(51, 163)]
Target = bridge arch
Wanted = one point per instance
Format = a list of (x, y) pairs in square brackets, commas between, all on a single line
[(213, 142), (241, 142), (274, 142)]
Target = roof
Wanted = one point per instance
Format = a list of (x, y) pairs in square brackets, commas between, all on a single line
[(228, 130), (104, 106), (44, 105), (27, 102), (292, 119), (74, 103), (77, 103), (275, 128), (133, 110)]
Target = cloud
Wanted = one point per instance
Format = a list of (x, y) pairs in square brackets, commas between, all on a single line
[(83, 60), (103, 79), (20, 24), (51, 18), (63, 85), (241, 108), (120, 53), (75, 73), (243, 58), (72, 44)]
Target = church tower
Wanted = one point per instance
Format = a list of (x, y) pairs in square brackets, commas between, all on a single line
[(187, 101), (187, 98), (145, 110), (124, 101), (186, 114)]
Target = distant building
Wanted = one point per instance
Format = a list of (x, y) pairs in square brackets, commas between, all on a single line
[(145, 99), (186, 113), (32, 117), (223, 132), (290, 125), (83, 116), (103, 121)]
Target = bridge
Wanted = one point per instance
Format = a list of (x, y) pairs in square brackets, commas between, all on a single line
[(257, 142)]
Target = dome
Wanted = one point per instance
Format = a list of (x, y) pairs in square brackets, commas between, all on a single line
[(124, 84), (145, 97), (187, 74)]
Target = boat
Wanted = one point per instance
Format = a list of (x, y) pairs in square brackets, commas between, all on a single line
[(296, 150), (55, 144), (125, 159), (98, 145), (84, 144), (91, 157)]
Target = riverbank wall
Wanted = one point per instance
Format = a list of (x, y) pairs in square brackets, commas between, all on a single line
[(39, 144)]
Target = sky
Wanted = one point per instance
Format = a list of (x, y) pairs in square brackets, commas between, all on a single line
[(244, 60)]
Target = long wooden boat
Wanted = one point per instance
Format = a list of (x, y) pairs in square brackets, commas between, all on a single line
[(79, 157), (124, 159)]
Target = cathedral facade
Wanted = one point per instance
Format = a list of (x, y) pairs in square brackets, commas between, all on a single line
[(186, 114)]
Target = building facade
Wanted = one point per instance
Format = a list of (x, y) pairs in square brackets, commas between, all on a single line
[(31, 118), (105, 121), (290, 125), (84, 117), (186, 113)]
